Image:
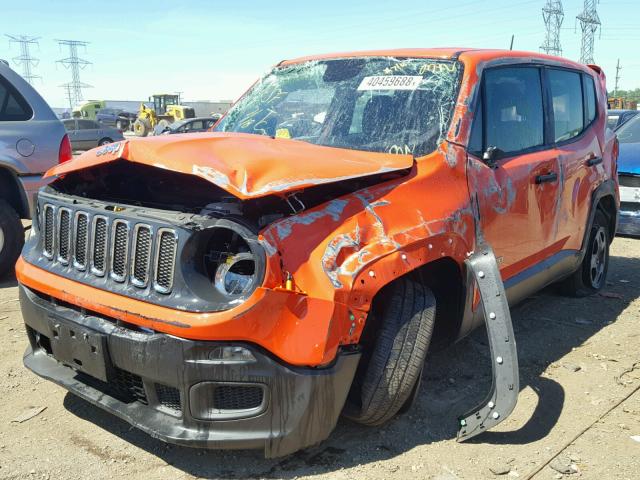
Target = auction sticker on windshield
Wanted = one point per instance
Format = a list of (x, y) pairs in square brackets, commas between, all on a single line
[(390, 82)]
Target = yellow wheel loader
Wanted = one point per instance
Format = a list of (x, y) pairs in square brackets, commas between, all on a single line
[(166, 110)]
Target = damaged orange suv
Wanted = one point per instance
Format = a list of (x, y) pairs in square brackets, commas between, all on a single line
[(243, 288)]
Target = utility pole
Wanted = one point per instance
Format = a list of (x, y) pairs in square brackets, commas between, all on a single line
[(589, 24), (75, 64), (25, 60), (69, 95), (618, 68), (553, 15)]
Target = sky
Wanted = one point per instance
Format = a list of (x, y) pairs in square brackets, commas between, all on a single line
[(214, 50)]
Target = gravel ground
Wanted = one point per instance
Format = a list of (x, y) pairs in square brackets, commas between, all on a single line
[(578, 410)]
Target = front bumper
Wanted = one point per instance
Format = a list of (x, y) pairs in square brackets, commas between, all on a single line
[(164, 385), (629, 218), (629, 221)]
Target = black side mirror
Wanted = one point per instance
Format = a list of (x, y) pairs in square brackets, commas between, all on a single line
[(491, 156)]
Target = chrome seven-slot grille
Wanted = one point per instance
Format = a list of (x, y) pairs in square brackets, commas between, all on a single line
[(116, 248)]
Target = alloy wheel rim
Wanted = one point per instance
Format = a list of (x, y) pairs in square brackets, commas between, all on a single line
[(598, 258), (1, 239)]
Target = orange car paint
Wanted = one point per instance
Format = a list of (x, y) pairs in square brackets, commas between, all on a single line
[(341, 253), (261, 165)]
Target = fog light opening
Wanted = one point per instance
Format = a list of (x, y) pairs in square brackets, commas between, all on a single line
[(231, 354)]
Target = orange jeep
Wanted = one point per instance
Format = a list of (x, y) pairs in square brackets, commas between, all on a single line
[(243, 288)]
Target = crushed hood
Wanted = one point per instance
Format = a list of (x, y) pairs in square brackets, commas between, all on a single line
[(247, 166)]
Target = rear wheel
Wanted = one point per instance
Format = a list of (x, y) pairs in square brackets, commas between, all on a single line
[(388, 378), (11, 238), (592, 274)]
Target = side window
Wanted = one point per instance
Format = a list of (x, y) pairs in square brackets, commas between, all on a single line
[(69, 125), (590, 97), (13, 107), (514, 115), (86, 125), (566, 94)]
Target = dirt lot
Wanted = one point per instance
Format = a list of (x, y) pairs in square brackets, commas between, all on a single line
[(578, 410)]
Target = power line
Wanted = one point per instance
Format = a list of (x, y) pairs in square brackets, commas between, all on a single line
[(589, 24), (553, 15), (75, 64), (25, 60)]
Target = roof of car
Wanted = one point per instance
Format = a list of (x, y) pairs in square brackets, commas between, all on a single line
[(473, 54)]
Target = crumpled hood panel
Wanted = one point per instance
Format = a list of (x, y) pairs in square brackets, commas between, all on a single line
[(247, 166)]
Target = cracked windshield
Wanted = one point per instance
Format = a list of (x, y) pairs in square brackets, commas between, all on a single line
[(388, 105)]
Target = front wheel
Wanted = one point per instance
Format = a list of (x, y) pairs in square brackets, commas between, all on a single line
[(394, 352), (104, 141), (592, 274)]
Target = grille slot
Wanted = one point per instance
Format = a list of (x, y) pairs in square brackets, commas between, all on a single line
[(119, 250), (241, 397), (99, 245), (81, 235), (169, 397), (48, 231), (109, 246), (165, 260), (124, 386), (64, 235), (141, 255)]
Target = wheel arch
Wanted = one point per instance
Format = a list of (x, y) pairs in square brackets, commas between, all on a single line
[(607, 205), (444, 277)]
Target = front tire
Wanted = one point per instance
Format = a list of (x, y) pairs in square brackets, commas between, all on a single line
[(389, 374), (11, 238), (592, 274), (141, 127), (104, 141)]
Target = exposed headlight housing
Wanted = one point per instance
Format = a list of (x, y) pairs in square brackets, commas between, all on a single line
[(236, 274), (228, 263)]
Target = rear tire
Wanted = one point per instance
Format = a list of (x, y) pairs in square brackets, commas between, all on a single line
[(11, 238), (592, 274), (388, 378)]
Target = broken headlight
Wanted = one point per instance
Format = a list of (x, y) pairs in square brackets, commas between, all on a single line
[(228, 263), (236, 274)]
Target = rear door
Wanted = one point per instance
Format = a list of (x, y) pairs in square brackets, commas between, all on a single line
[(516, 190), (88, 134), (577, 146), (71, 126)]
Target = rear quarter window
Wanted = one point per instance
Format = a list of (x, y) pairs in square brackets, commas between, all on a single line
[(13, 106), (590, 98)]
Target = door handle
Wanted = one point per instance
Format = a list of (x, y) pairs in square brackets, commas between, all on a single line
[(549, 177), (593, 161)]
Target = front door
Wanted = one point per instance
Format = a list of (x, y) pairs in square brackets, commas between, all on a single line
[(517, 187)]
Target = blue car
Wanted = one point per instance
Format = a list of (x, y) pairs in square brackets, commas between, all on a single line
[(629, 177)]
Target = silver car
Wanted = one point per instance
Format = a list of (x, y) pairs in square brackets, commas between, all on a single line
[(32, 140), (87, 134)]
